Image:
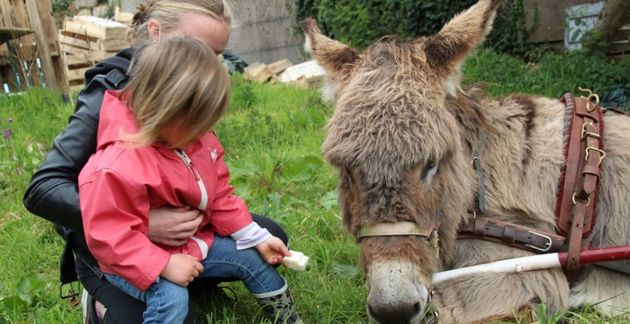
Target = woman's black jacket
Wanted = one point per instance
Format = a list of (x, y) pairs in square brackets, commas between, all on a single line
[(53, 191)]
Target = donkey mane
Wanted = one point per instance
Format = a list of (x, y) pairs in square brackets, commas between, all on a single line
[(517, 125)]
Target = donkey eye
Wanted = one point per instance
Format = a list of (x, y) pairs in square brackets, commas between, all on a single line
[(429, 171)]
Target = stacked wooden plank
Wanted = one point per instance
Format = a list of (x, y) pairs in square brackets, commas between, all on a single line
[(620, 44), (25, 58), (123, 16), (86, 40), (307, 74)]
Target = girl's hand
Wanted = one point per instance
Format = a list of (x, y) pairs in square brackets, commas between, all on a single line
[(181, 269), (173, 226), (273, 250)]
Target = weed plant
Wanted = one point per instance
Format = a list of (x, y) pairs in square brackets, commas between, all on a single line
[(272, 135)]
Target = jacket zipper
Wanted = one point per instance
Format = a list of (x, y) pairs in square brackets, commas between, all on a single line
[(188, 162), (203, 204)]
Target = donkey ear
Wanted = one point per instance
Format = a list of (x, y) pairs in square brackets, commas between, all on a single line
[(458, 37), (337, 59)]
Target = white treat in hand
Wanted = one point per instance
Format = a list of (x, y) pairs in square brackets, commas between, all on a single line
[(297, 261)]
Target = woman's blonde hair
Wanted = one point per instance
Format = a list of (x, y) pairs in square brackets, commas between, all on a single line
[(169, 13), (176, 82)]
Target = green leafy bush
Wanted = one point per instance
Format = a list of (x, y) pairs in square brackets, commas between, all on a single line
[(552, 75), (61, 5), (361, 22)]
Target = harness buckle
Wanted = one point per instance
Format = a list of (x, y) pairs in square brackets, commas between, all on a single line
[(586, 133), (547, 244), (602, 154)]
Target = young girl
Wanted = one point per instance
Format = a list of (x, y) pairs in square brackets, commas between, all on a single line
[(155, 148)]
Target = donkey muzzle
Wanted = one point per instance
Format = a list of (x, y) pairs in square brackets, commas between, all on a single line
[(396, 293)]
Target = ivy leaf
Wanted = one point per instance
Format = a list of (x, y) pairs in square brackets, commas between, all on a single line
[(27, 288), (302, 169), (13, 302), (329, 200), (24, 289), (244, 169), (345, 270)]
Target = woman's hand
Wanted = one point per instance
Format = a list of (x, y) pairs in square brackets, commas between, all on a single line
[(181, 269), (273, 250), (173, 226)]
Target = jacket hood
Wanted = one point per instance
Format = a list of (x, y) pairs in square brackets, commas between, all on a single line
[(116, 118), (120, 61)]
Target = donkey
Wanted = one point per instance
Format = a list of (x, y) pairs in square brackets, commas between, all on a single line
[(403, 135)]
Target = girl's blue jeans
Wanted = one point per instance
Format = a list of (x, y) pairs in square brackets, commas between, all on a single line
[(167, 302)]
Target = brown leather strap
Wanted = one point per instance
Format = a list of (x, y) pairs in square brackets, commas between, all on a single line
[(574, 159), (615, 110), (575, 241), (578, 188), (513, 234), (583, 156)]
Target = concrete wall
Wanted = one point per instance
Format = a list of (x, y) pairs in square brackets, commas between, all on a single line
[(266, 31), (263, 30), (128, 5), (93, 8)]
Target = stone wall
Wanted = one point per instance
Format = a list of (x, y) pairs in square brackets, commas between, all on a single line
[(263, 30), (266, 31), (129, 5), (98, 8)]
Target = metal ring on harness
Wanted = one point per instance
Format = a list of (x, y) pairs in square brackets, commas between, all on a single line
[(588, 201), (590, 107)]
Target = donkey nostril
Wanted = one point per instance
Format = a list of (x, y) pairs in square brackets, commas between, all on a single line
[(416, 308), (386, 314)]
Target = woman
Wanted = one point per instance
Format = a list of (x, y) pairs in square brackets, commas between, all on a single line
[(53, 192)]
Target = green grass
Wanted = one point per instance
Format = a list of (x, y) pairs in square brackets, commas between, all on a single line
[(272, 135)]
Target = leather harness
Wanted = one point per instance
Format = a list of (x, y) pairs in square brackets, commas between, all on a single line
[(577, 195), (515, 235)]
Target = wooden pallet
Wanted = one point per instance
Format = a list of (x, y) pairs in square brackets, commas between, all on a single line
[(76, 65), (91, 43), (92, 55), (620, 44), (95, 27), (87, 40), (123, 17), (33, 15)]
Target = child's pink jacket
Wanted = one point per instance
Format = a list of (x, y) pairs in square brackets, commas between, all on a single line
[(119, 185)]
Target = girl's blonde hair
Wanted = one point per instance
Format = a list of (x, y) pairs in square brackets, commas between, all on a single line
[(169, 13), (176, 82)]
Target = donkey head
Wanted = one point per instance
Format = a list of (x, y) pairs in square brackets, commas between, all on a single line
[(404, 181)]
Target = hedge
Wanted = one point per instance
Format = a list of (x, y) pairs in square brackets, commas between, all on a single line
[(361, 22)]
